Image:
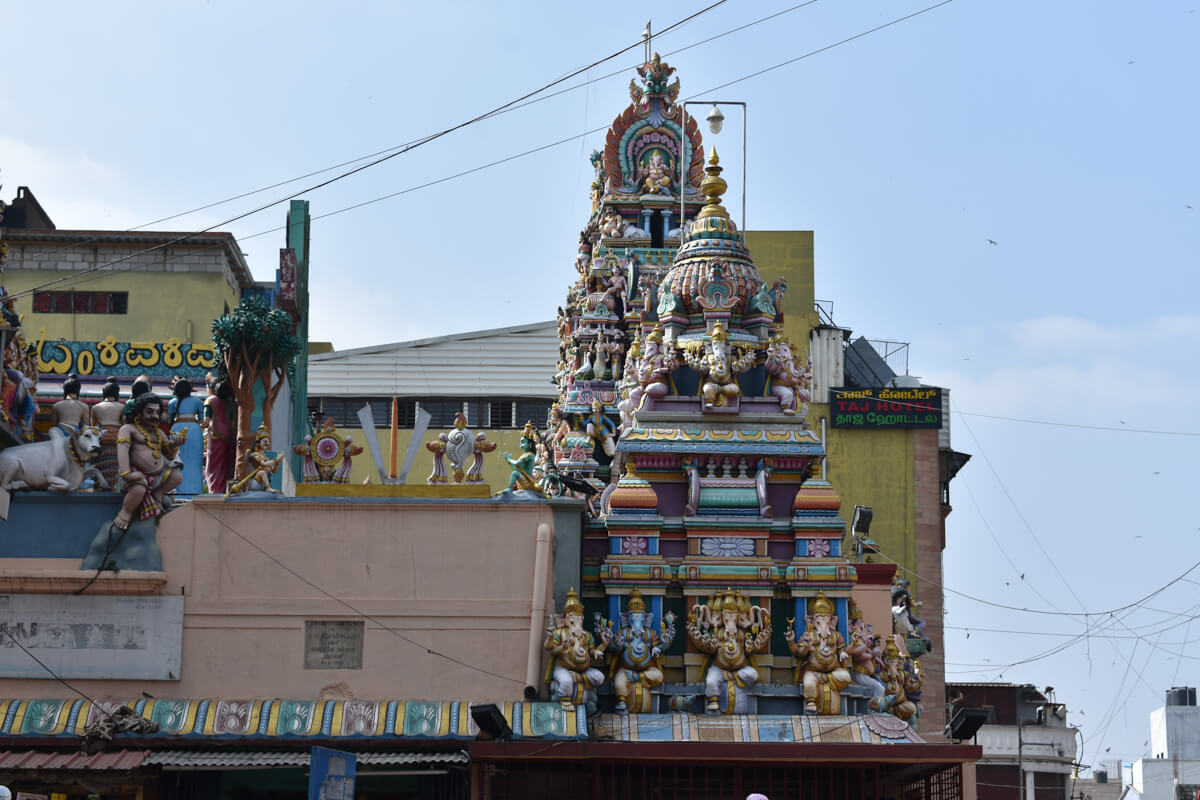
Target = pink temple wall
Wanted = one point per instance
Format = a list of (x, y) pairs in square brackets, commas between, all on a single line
[(457, 577)]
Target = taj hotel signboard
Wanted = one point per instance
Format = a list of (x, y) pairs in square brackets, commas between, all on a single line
[(886, 408)]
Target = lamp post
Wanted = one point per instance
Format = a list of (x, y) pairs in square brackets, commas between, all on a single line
[(716, 121)]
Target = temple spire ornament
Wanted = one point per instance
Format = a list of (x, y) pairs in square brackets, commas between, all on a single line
[(712, 188)]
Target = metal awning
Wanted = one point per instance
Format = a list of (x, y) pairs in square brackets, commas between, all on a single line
[(267, 759), (109, 760)]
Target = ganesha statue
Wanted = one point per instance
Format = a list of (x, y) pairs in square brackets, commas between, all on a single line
[(718, 367), (635, 654), (866, 654), (896, 678), (731, 631), (571, 673), (822, 663), (789, 382)]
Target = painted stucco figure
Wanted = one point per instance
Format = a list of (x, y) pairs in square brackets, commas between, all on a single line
[(70, 413), (635, 654), (107, 415), (866, 654), (219, 443), (895, 700), (143, 455), (731, 631), (183, 413), (718, 368), (602, 429), (260, 466), (823, 665), (60, 464), (656, 175), (789, 382), (521, 476), (571, 673)]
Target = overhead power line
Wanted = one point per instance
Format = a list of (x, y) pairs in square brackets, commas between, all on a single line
[(375, 162), (70, 278)]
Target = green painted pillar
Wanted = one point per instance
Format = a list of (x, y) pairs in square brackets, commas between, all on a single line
[(298, 224)]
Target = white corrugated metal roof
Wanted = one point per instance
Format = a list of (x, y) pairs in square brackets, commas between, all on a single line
[(518, 361), (215, 759)]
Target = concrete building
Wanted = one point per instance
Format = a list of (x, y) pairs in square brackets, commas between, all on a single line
[(1172, 772), (1029, 750), (173, 291)]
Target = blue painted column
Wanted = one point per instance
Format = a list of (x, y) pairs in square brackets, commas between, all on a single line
[(843, 615)]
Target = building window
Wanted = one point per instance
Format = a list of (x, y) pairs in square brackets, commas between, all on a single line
[(81, 302)]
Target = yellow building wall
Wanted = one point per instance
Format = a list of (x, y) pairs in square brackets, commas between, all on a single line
[(495, 470), (161, 305), (789, 255), (868, 468)]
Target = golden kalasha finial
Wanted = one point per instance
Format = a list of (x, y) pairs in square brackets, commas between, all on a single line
[(713, 187)]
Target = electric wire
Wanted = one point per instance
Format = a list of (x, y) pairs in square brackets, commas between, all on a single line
[(427, 139), (375, 162), (497, 113)]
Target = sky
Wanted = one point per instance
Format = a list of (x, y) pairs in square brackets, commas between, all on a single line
[(1011, 187)]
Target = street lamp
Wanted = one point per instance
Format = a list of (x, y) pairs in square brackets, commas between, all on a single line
[(716, 121)]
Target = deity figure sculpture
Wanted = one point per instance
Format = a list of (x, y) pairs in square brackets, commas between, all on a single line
[(789, 382), (183, 413), (573, 650), (731, 635), (611, 223), (618, 290), (635, 654), (823, 663), (905, 622), (894, 700), (655, 174), (107, 415), (521, 476), (140, 386), (219, 442), (143, 452), (602, 429), (70, 414), (866, 653), (719, 382), (559, 427), (649, 371), (261, 466)]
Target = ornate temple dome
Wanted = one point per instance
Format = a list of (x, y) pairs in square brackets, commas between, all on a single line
[(713, 269)]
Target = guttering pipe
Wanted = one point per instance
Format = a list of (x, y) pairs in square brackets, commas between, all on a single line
[(537, 612)]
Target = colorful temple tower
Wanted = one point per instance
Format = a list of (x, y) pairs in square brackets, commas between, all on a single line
[(680, 399)]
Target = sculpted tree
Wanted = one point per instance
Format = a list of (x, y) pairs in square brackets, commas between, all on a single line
[(255, 344)]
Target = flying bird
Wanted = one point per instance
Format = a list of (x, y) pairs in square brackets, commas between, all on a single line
[(992, 241)]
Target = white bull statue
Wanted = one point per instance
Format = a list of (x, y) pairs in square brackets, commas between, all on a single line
[(59, 465)]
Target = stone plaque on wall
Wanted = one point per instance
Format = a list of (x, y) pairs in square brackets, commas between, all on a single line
[(91, 637), (333, 645)]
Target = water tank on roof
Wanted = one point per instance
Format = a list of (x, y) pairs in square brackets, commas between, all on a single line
[(1181, 696)]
